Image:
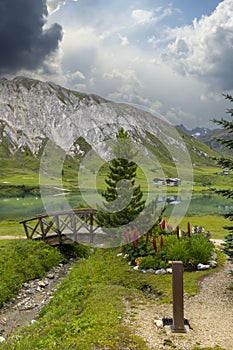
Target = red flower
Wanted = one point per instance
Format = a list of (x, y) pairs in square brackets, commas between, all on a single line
[(154, 243), (163, 224), (189, 229)]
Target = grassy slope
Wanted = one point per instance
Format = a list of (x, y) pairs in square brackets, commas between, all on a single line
[(22, 168), (88, 310)]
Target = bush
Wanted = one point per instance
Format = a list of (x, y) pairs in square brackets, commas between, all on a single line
[(157, 252), (177, 250)]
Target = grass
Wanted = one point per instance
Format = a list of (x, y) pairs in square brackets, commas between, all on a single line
[(21, 261), (87, 311), (212, 223)]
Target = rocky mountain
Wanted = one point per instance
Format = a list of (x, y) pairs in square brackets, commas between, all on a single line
[(33, 112), (209, 136), (197, 132)]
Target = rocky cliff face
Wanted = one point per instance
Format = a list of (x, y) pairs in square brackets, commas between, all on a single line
[(32, 111)]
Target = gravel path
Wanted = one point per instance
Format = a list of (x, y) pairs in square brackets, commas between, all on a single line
[(210, 314)]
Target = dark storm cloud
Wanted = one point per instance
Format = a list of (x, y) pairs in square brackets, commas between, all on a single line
[(23, 41)]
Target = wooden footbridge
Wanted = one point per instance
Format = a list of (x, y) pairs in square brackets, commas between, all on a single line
[(63, 227)]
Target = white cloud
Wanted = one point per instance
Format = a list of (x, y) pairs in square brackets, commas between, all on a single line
[(112, 57), (78, 75), (205, 49), (124, 40), (143, 16), (54, 5)]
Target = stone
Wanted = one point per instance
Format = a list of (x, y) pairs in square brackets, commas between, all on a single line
[(160, 272), (136, 268), (202, 267), (51, 276), (159, 323), (150, 271), (169, 270), (41, 284), (213, 263), (214, 256)]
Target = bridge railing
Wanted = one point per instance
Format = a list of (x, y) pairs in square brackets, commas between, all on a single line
[(69, 222)]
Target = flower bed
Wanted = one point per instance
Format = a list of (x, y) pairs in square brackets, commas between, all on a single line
[(157, 250)]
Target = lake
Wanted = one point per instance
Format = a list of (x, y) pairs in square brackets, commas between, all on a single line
[(18, 208)]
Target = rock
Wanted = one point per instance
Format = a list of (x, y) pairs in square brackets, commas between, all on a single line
[(2, 339), (160, 272), (51, 276), (203, 267), (169, 270), (159, 323), (213, 263), (141, 270), (41, 284), (136, 268), (150, 271), (214, 256), (119, 254)]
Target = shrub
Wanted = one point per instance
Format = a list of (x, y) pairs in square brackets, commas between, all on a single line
[(156, 252), (177, 250)]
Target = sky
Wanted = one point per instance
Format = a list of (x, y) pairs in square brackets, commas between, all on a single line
[(174, 57)]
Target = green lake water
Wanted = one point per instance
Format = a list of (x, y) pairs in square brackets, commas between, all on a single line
[(18, 208)]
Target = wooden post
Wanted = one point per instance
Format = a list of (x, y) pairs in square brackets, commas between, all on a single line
[(26, 230), (178, 297), (91, 227)]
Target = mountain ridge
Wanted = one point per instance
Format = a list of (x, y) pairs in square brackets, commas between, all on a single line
[(33, 112)]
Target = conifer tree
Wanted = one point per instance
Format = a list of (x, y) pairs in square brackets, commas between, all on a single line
[(123, 199), (227, 163)]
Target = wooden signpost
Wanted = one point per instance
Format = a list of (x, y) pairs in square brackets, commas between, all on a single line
[(178, 297)]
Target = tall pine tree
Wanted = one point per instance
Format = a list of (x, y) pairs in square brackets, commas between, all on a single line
[(123, 199), (227, 163)]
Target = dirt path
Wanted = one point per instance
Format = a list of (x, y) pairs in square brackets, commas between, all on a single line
[(210, 314)]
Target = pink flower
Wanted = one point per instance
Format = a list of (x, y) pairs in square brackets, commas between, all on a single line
[(135, 236), (169, 227), (127, 236)]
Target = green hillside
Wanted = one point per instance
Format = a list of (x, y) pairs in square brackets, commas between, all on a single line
[(20, 170)]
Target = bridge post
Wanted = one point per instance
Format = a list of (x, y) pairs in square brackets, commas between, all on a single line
[(26, 230), (91, 227)]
